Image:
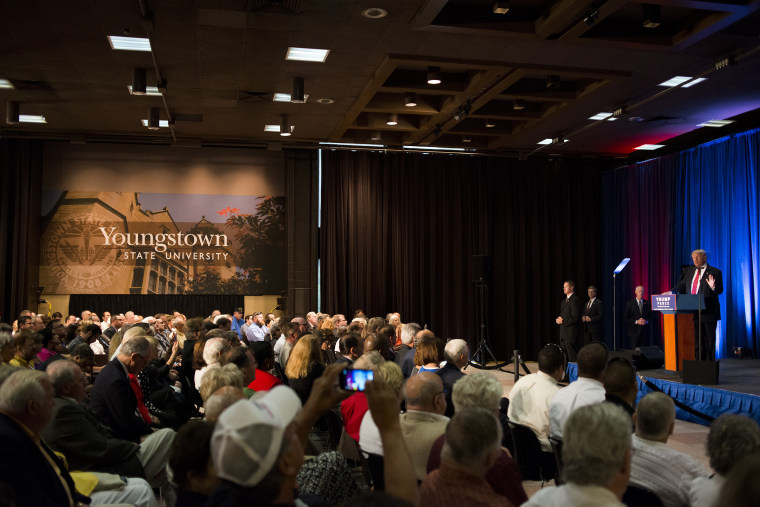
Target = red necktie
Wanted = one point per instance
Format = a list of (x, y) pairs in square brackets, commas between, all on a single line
[(695, 285)]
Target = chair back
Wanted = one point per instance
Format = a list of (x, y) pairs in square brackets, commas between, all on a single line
[(557, 450), (637, 496), (526, 451)]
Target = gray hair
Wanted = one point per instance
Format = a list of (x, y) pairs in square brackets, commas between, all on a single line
[(408, 331), (731, 438), (478, 389), (214, 378), (471, 436), (5, 339), (369, 361), (212, 350), (220, 400), (654, 415), (20, 388), (135, 345), (62, 373), (455, 348), (700, 252), (595, 441)]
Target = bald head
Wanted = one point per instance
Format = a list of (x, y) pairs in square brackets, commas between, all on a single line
[(424, 392)]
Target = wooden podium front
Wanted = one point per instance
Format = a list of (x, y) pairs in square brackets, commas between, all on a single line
[(678, 339)]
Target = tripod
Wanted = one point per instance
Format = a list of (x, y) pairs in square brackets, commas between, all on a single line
[(483, 353)]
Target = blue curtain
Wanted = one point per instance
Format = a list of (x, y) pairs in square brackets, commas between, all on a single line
[(705, 197)]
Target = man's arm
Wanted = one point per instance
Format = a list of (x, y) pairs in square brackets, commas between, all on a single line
[(599, 314), (398, 469)]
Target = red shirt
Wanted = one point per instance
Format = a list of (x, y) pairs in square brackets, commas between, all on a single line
[(353, 409), (264, 381)]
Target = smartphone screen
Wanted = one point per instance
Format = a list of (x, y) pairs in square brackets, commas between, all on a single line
[(354, 380)]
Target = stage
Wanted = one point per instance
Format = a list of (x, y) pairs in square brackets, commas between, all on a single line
[(737, 393)]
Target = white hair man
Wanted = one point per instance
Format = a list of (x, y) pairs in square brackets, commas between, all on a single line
[(457, 354), (90, 445), (473, 444), (596, 459), (36, 474), (655, 466), (213, 351), (407, 341), (482, 390)]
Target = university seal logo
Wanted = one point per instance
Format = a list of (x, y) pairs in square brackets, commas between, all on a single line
[(77, 257)]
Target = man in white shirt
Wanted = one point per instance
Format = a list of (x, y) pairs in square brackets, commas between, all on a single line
[(655, 466), (596, 460), (587, 390), (530, 397)]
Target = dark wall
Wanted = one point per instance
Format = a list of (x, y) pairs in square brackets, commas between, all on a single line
[(399, 231)]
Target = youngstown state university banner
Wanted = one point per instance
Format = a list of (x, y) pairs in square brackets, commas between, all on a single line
[(142, 243)]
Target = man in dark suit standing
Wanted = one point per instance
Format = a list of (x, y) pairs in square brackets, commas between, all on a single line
[(636, 315), (708, 281), (569, 320), (593, 314)]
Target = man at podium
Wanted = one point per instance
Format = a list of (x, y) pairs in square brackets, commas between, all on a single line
[(708, 281)]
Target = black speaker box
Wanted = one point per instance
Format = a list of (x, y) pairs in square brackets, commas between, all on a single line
[(704, 373), (482, 268), (650, 358)]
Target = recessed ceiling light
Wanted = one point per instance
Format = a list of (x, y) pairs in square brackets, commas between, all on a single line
[(649, 147), (161, 123), (489, 123), (392, 119), (545, 141), (31, 118), (600, 116), (694, 81), (276, 128), (129, 43), (325, 100), (5, 84), (149, 90), (433, 75), (675, 81), (307, 54), (285, 97), (433, 148), (715, 123), (374, 13)]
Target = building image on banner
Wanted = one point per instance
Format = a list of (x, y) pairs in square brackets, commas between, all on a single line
[(114, 243)]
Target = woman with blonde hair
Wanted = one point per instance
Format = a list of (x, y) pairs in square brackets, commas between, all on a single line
[(304, 366)]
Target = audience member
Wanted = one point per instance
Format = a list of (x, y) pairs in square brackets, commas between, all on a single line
[(215, 378), (190, 462), (7, 347), (264, 380), (113, 399), (621, 384), (23, 342), (245, 361), (530, 397), (732, 438), (655, 466), (408, 364), (408, 332), (219, 401), (742, 489), (472, 446), (353, 408), (588, 389), (350, 349), (596, 459), (90, 445), (480, 389), (429, 354), (213, 350), (423, 421), (304, 366)]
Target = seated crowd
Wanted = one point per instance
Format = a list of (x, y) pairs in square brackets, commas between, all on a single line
[(231, 410)]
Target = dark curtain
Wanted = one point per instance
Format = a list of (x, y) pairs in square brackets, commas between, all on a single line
[(705, 197), (151, 304), (399, 231), (20, 185)]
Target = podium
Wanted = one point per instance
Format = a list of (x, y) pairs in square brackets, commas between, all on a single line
[(678, 326), (678, 337)]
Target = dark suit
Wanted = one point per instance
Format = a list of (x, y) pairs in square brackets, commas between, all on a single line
[(114, 402), (28, 472), (449, 375), (639, 335), (570, 311), (88, 444), (592, 331), (711, 313)]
